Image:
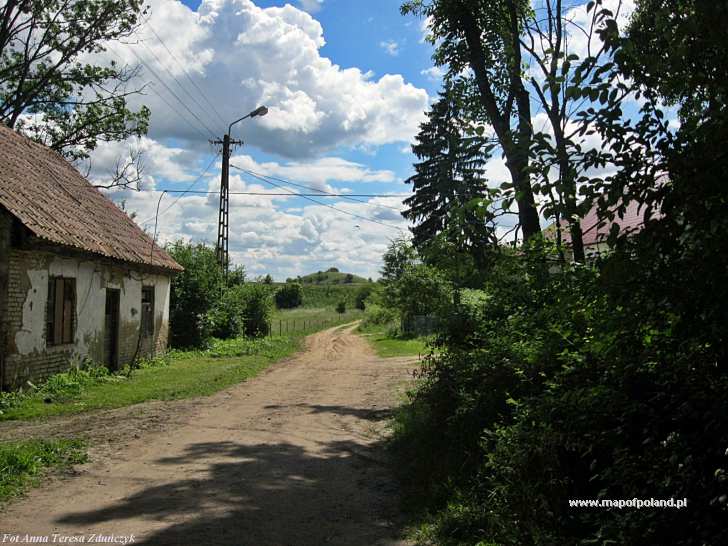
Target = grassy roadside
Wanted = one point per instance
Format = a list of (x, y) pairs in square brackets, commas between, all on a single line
[(180, 374), (22, 464), (387, 347)]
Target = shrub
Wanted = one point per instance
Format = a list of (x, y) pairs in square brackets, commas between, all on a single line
[(226, 319), (257, 308), (378, 315), (243, 310), (193, 293), (551, 387), (419, 290), (341, 307), (289, 296)]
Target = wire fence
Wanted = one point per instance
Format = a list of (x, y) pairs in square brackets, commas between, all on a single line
[(285, 326)]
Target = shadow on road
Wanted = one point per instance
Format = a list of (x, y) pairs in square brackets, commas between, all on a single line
[(266, 495), (360, 413)]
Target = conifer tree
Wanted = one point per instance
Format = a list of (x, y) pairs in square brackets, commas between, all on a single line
[(451, 195)]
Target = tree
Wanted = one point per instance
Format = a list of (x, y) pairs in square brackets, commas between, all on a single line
[(349, 278), (268, 279), (289, 296), (449, 180), (341, 307), (484, 35), (399, 255), (48, 70)]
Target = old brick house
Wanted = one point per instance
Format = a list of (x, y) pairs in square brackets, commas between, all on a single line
[(78, 278)]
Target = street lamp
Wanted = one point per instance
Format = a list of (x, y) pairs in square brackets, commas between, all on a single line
[(223, 223), (258, 112)]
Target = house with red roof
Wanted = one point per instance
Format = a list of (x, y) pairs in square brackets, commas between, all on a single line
[(78, 278), (595, 231)]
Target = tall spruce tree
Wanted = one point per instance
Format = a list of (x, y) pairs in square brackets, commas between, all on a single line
[(451, 194)]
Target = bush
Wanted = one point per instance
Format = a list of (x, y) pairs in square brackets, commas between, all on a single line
[(226, 319), (378, 315), (551, 387), (193, 293), (341, 307), (419, 290), (242, 310), (289, 296), (257, 309)]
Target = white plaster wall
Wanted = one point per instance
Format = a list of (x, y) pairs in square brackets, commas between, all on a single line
[(92, 280)]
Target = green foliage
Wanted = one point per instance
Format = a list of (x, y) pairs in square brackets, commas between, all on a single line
[(328, 295), (47, 52), (604, 382), (361, 296), (341, 307), (560, 391), (257, 306), (400, 255), (193, 294), (242, 310), (450, 179), (236, 275), (289, 296), (377, 314), (419, 291), (268, 279), (226, 318), (22, 463)]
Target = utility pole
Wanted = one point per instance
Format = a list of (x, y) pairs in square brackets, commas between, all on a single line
[(223, 218)]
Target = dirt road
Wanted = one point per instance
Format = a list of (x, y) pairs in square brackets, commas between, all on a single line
[(292, 457)]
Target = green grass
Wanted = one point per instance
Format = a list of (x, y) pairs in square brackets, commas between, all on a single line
[(387, 346), (180, 375), (22, 464), (328, 295)]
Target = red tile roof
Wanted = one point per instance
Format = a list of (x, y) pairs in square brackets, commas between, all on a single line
[(594, 232), (51, 198)]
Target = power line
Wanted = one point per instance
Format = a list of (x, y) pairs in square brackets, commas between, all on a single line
[(365, 218), (179, 84), (186, 191), (186, 72), (164, 100), (323, 193), (160, 80)]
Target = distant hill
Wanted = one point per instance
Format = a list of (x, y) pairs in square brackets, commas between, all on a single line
[(331, 276)]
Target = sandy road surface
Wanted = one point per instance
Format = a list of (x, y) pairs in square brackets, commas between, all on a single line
[(292, 457)]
